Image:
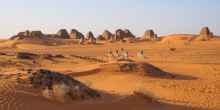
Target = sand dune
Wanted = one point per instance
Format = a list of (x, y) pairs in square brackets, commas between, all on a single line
[(194, 69), (177, 38)]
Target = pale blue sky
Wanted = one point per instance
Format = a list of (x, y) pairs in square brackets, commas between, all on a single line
[(164, 16)]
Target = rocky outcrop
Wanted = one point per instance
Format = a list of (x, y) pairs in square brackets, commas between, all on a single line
[(63, 34), (60, 87), (75, 34), (150, 35)]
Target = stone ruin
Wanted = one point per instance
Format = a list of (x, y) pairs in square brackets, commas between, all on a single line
[(60, 87), (28, 34), (150, 35)]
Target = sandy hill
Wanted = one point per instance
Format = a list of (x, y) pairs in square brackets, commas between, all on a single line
[(177, 38)]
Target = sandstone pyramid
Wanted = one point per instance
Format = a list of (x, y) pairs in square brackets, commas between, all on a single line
[(90, 37), (205, 34), (128, 34), (62, 33), (75, 34), (121, 35), (150, 35), (107, 35)]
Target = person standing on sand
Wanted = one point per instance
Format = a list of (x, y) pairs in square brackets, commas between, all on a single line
[(125, 55), (117, 54), (110, 54), (141, 54)]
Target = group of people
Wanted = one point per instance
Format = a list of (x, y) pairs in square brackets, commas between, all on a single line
[(122, 54), (118, 54)]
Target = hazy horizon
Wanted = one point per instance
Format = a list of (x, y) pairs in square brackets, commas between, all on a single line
[(164, 16)]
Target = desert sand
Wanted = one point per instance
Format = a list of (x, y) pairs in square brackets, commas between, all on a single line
[(194, 65)]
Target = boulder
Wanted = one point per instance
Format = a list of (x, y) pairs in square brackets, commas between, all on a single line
[(62, 33), (75, 34)]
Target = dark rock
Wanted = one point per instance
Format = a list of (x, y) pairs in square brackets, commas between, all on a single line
[(55, 81)]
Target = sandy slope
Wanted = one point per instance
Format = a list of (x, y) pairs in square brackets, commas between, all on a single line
[(197, 86)]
